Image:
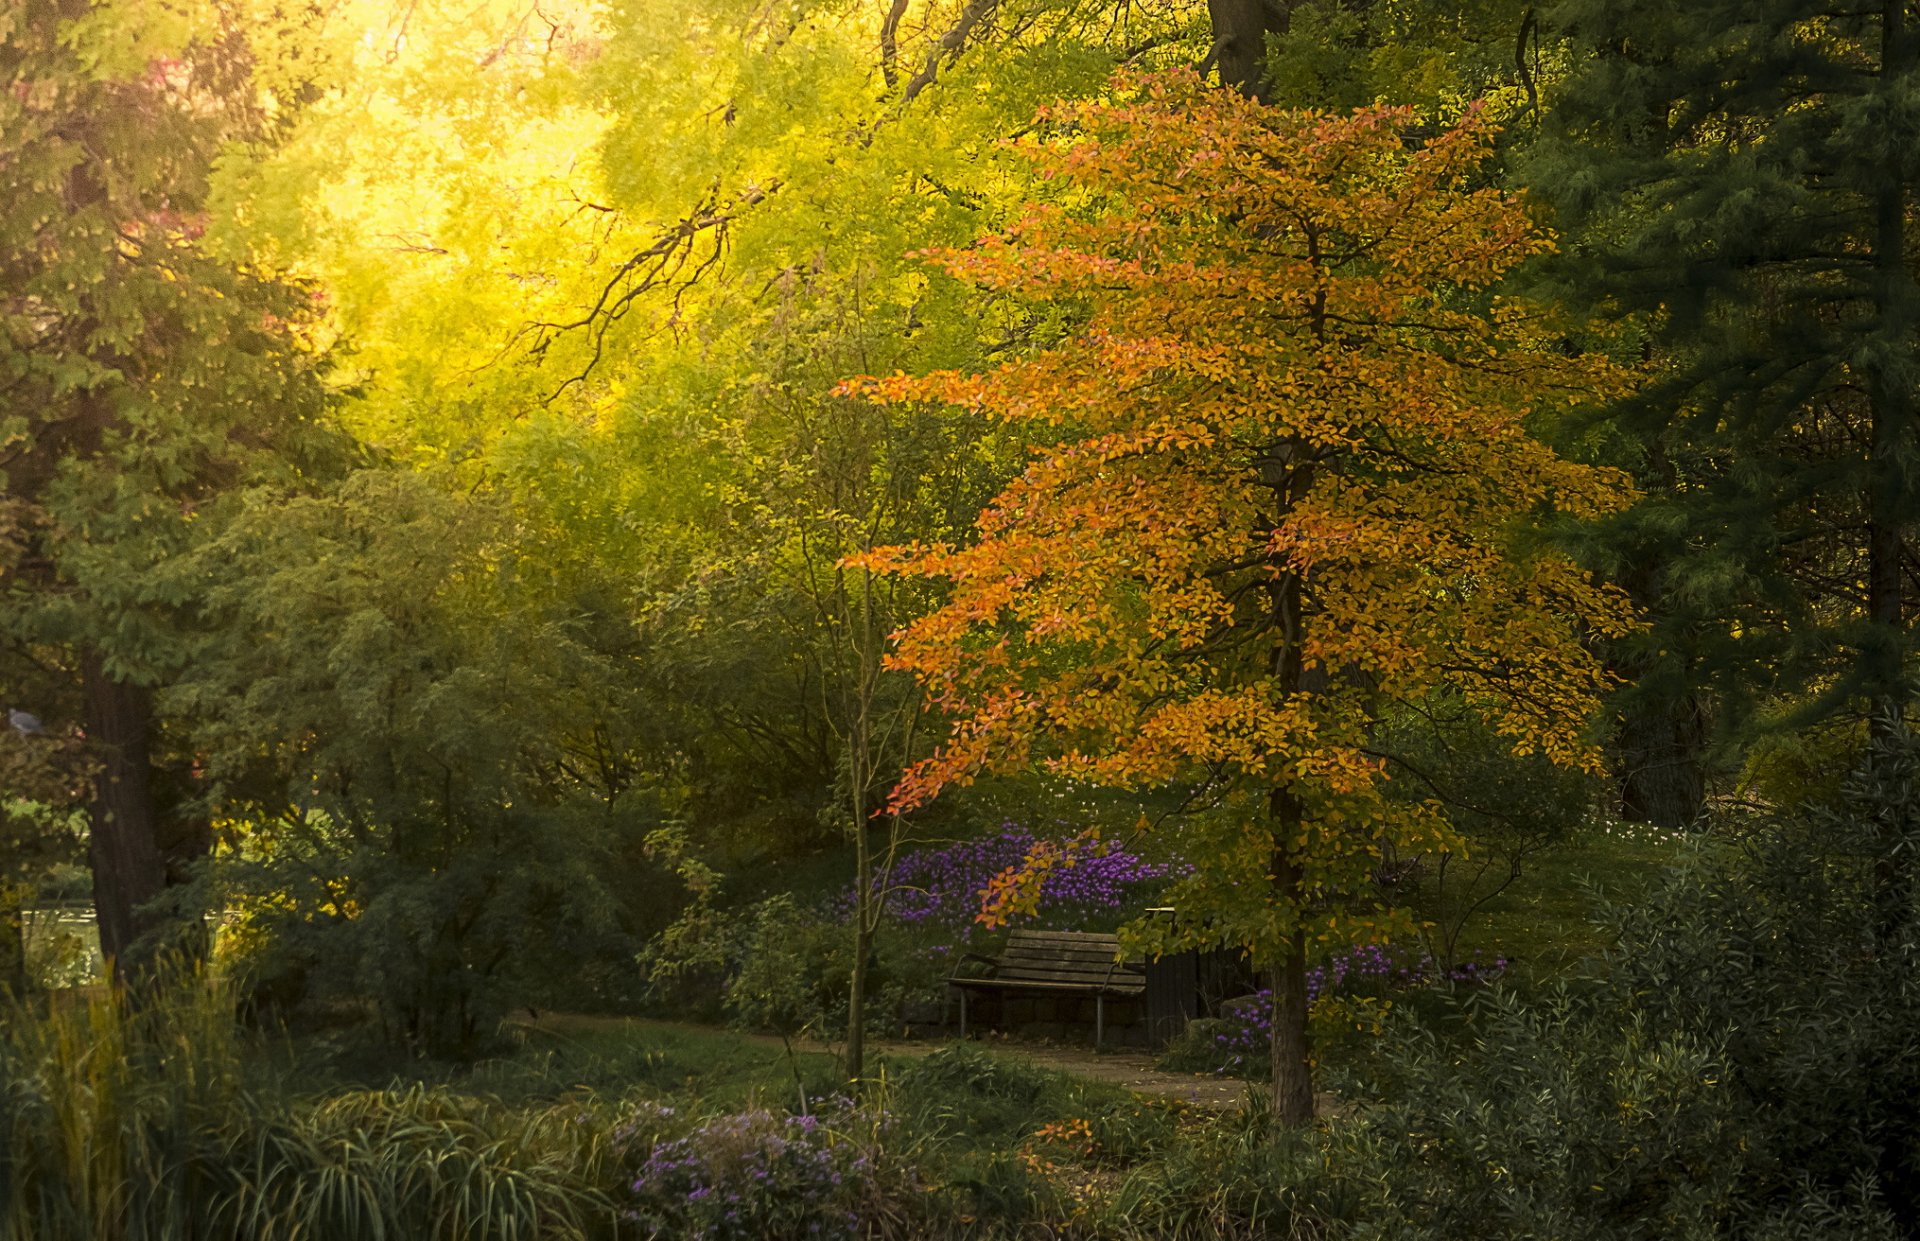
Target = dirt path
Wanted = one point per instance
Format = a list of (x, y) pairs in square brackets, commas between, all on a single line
[(1131, 1070)]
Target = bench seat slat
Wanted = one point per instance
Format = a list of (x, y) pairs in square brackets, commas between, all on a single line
[(1066, 953), (1062, 938), (1014, 984), (1060, 974), (1082, 962)]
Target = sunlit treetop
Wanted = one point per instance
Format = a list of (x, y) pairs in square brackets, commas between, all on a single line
[(503, 196)]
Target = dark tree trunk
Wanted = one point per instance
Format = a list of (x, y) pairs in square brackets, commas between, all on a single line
[(123, 843), (1658, 755), (1240, 30), (13, 949), (1659, 749), (1292, 1047), (1289, 473), (1890, 393)]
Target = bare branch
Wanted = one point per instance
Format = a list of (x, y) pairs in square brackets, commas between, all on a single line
[(890, 43), (948, 46), (674, 261)]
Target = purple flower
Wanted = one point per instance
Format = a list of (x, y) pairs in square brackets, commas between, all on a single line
[(1362, 969), (943, 886)]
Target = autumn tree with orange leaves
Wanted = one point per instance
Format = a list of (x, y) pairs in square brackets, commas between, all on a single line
[(1292, 483)]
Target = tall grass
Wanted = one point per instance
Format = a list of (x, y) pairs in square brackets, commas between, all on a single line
[(157, 1121)]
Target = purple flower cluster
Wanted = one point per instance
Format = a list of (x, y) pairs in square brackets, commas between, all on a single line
[(941, 887), (747, 1176), (1247, 1036)]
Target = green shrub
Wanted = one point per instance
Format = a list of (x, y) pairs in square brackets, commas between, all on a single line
[(156, 1120), (792, 973), (1744, 1063), (772, 966), (438, 949), (1804, 767), (991, 1101)]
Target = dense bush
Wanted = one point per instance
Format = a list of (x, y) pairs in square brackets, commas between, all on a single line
[(1744, 1063), (1343, 987), (438, 950), (775, 965), (1510, 810)]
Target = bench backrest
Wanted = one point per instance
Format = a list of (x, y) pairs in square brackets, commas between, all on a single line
[(1081, 957)]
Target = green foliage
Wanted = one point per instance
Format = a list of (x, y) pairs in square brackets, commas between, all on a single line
[(1742, 1067), (791, 973), (1435, 56), (1730, 174), (1508, 809), (158, 1121), (1793, 769), (145, 376), (423, 780), (465, 189), (962, 1093)]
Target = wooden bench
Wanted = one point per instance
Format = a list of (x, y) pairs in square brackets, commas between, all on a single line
[(1069, 963)]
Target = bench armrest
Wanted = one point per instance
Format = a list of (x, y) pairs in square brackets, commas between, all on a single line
[(967, 957)]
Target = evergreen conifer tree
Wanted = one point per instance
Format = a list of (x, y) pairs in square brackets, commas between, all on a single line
[(1738, 177)]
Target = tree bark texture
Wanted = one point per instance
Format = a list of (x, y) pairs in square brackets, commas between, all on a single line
[(123, 844), (1240, 30), (1658, 760), (1890, 392), (1289, 474), (1292, 1046)]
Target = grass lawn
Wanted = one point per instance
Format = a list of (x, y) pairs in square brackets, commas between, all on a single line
[(1546, 924), (608, 1056)]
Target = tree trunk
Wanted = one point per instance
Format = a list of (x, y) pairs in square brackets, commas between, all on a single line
[(865, 914), (123, 843), (1890, 393), (1240, 30), (865, 920), (13, 945), (1290, 479), (1292, 1045), (857, 1001), (1892, 402), (1658, 760)]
